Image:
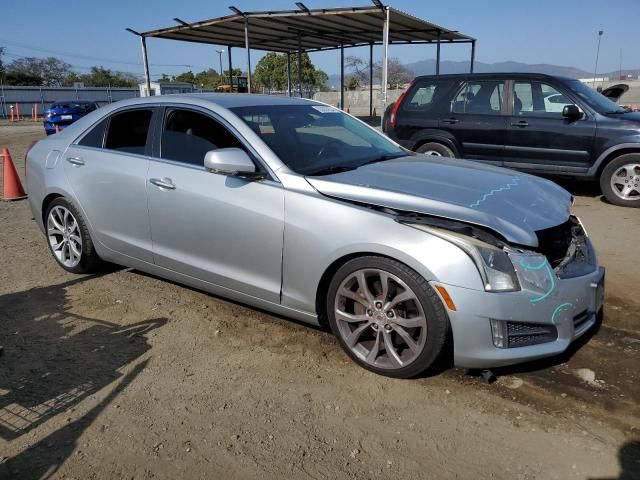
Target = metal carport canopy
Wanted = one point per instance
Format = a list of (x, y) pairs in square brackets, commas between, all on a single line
[(312, 30)]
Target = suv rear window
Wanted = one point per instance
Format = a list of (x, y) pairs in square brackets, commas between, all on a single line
[(425, 94)]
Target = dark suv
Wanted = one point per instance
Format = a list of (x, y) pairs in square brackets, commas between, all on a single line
[(533, 122)]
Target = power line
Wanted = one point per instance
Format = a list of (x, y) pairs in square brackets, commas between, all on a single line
[(98, 59)]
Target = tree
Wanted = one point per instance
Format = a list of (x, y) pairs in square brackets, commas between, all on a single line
[(397, 74), (187, 77), (271, 73), (360, 69), (207, 79), (2, 50), (51, 70), (165, 78), (103, 77), (22, 79), (352, 83)]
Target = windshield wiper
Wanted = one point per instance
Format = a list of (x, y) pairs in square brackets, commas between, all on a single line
[(330, 170)]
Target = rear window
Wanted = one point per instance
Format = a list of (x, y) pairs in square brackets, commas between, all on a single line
[(425, 94), (128, 131), (95, 136)]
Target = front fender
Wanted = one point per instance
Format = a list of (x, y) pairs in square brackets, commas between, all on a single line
[(320, 231)]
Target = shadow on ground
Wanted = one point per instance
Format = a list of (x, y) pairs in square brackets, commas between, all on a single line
[(53, 359)]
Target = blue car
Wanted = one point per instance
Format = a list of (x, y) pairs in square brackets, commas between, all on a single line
[(61, 114)]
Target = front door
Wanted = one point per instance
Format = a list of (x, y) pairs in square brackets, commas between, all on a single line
[(539, 137), (476, 120), (107, 171), (224, 230)]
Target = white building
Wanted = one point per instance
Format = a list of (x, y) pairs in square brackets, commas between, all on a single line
[(166, 88)]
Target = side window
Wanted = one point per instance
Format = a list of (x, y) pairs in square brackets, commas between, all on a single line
[(128, 131), (535, 99), (189, 135), (425, 95), (483, 97), (95, 136)]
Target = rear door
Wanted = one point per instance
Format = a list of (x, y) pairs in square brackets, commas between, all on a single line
[(477, 121), (107, 171), (221, 229), (539, 137)]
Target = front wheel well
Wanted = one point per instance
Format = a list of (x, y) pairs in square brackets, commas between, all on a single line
[(327, 276), (612, 156)]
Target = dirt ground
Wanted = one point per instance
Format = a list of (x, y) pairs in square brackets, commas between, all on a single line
[(123, 375)]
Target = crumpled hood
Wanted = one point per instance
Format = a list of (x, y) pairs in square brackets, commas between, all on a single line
[(511, 203)]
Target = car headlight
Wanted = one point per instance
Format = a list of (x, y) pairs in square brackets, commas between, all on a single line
[(493, 263)]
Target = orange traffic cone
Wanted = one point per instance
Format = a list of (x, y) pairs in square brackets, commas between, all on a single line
[(374, 112), (11, 182)]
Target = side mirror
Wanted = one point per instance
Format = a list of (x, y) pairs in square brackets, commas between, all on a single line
[(572, 112), (230, 161)]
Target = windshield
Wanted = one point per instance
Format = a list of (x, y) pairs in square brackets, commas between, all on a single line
[(317, 139), (595, 100)]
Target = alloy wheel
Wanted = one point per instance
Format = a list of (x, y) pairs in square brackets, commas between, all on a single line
[(380, 318), (64, 236), (625, 181)]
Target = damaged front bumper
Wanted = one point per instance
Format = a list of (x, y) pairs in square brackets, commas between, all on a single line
[(560, 296), (571, 310)]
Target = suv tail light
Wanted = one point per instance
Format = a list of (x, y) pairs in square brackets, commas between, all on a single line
[(394, 111)]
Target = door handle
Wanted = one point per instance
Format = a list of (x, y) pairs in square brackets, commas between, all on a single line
[(520, 124), (77, 161), (165, 183), (450, 120)]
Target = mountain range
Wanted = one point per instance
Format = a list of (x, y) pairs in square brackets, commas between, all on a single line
[(426, 67)]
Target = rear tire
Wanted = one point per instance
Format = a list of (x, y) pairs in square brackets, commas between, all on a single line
[(399, 330), (68, 238), (620, 180), (436, 149)]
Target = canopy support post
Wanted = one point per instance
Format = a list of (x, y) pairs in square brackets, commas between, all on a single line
[(385, 62), (438, 55), (473, 55), (371, 79), (341, 76), (230, 68), (289, 73), (246, 43), (147, 78), (300, 66)]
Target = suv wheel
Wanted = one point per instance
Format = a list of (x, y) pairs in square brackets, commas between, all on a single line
[(434, 148), (387, 317), (620, 180)]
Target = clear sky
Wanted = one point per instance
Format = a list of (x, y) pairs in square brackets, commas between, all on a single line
[(90, 32)]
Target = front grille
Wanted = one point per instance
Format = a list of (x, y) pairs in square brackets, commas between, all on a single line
[(523, 334)]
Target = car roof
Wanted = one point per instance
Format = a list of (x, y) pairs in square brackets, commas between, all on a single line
[(80, 102), (497, 75), (225, 100)]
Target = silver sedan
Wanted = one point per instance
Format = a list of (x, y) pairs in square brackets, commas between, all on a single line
[(297, 208)]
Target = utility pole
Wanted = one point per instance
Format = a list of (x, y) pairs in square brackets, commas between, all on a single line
[(595, 71)]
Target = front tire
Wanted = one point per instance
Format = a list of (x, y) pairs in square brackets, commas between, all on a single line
[(68, 238), (620, 180), (386, 317)]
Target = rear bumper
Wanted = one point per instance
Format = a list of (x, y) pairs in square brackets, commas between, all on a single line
[(572, 309)]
